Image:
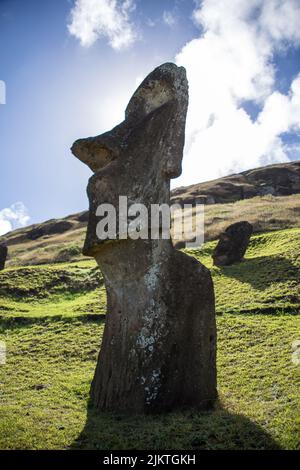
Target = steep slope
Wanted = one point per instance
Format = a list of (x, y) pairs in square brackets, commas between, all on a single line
[(267, 281), (52, 318)]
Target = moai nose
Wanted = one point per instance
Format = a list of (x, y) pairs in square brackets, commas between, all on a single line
[(95, 153)]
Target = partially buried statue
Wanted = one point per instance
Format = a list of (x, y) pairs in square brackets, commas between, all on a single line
[(232, 244), (159, 345), (3, 255)]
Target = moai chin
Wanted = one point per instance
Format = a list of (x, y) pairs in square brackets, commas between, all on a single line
[(159, 345)]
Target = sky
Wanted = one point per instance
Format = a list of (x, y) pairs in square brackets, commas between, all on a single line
[(69, 67)]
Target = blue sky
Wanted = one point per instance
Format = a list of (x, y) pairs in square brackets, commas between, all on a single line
[(70, 68)]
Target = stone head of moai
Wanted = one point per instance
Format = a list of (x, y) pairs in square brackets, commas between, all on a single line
[(138, 157), (159, 345)]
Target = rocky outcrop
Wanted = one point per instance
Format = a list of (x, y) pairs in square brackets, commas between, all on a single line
[(83, 217), (3, 255), (278, 180), (52, 227), (232, 244), (159, 346)]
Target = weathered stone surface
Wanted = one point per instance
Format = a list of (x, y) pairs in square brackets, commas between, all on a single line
[(179, 245), (232, 244), (159, 345), (3, 255)]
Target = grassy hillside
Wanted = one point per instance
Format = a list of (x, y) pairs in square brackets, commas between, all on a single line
[(52, 318), (266, 213)]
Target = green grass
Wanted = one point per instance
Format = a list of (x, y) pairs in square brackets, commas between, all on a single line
[(48, 321), (267, 281), (52, 291), (44, 391)]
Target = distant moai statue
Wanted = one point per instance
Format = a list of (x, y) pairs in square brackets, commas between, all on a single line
[(233, 243), (159, 345), (3, 255)]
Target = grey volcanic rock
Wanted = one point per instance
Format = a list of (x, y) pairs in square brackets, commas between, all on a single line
[(159, 345), (180, 245), (282, 179), (233, 244), (83, 216), (52, 227), (3, 255)]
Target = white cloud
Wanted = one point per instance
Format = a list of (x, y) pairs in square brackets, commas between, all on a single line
[(13, 217), (230, 63), (169, 18), (2, 92), (5, 227), (92, 19), (151, 23), (280, 19)]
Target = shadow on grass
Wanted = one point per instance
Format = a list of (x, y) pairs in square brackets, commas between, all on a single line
[(217, 429), (263, 271)]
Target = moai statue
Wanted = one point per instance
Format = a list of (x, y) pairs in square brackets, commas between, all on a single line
[(233, 244), (159, 345), (3, 255)]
